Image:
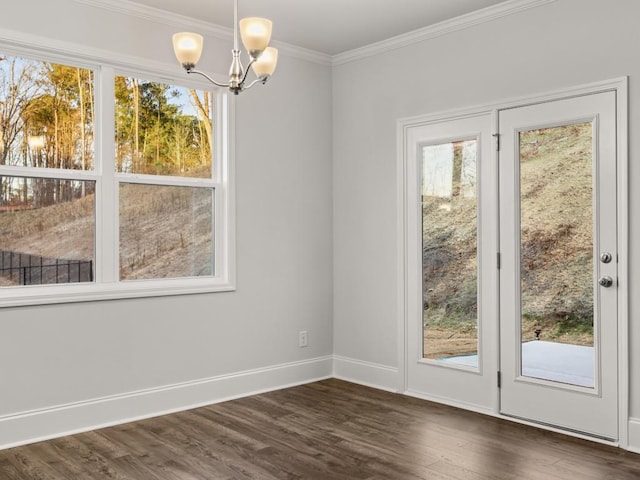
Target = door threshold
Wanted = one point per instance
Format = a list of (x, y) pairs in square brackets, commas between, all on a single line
[(559, 429)]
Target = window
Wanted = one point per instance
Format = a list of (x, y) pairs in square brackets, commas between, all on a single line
[(111, 185), (47, 209), (164, 132)]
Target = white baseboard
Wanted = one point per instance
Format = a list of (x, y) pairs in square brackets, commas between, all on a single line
[(634, 435), (365, 373), (34, 426)]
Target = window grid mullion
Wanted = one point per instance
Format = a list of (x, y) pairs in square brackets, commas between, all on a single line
[(165, 180), (55, 173), (107, 204)]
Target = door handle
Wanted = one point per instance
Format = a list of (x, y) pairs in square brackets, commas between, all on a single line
[(606, 281)]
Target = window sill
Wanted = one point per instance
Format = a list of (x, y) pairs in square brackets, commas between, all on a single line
[(89, 292)]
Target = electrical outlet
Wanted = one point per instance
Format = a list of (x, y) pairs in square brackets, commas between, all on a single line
[(303, 339)]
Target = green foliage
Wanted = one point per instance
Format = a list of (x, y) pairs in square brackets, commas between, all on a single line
[(51, 102), (154, 136)]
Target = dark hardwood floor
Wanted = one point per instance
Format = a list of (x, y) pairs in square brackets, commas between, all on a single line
[(325, 430)]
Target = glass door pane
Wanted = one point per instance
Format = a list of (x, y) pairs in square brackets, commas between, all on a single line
[(450, 252), (556, 254)]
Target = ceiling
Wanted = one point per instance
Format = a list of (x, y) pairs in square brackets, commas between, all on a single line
[(329, 26)]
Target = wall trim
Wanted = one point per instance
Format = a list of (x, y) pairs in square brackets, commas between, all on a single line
[(369, 374), (634, 435), (21, 43), (44, 424), (182, 22), (153, 14), (443, 28), (157, 15)]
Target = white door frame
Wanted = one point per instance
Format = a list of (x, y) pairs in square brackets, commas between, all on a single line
[(620, 86)]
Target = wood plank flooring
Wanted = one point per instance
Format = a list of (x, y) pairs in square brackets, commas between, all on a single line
[(329, 430)]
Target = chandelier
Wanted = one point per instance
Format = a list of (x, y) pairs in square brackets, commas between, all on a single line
[(255, 33)]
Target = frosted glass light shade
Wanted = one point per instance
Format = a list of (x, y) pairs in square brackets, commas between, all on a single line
[(266, 63), (256, 34), (188, 47)]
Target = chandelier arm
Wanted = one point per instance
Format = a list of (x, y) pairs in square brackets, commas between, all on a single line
[(246, 72), (224, 85), (257, 80)]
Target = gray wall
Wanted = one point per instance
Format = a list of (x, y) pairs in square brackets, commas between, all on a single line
[(62, 354), (561, 44)]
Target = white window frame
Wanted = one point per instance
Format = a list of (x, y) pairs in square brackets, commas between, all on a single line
[(106, 284)]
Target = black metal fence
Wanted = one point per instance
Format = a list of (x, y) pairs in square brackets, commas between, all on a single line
[(25, 269)]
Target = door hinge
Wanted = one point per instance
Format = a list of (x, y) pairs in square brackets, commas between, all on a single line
[(499, 380), (499, 260), (497, 137)]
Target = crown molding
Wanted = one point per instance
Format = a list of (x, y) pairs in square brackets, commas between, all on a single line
[(20, 43), (448, 26), (302, 53), (181, 22), (133, 9)]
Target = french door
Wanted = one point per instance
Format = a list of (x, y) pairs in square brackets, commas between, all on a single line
[(511, 262), (558, 278), (451, 246)]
